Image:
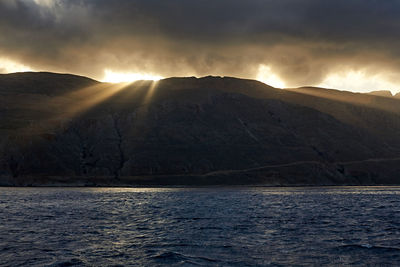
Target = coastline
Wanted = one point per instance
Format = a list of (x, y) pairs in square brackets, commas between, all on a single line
[(171, 182)]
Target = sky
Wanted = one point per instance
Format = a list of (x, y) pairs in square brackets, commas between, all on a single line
[(344, 44)]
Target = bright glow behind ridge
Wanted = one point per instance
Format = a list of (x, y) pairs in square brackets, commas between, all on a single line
[(266, 76), (9, 66), (358, 81), (118, 77)]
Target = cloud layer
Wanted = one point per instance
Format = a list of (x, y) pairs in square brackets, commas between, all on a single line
[(301, 41)]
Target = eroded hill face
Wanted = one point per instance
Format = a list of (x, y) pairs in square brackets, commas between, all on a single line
[(69, 129)]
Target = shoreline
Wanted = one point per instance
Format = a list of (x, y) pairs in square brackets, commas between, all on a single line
[(196, 185)]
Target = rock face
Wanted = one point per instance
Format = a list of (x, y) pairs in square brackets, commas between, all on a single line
[(70, 130)]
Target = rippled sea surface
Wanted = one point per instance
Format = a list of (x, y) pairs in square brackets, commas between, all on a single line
[(200, 226)]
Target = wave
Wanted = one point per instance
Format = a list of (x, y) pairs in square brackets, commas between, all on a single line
[(369, 247), (175, 257), (69, 262)]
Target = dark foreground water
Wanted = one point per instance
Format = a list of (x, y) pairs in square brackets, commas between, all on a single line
[(200, 227)]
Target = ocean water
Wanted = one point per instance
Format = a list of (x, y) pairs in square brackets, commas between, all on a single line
[(200, 226)]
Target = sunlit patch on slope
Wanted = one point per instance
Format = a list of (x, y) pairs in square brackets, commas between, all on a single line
[(9, 66), (358, 81), (117, 77), (88, 97), (74, 104), (266, 76)]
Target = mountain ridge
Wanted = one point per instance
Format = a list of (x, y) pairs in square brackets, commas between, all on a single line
[(191, 131)]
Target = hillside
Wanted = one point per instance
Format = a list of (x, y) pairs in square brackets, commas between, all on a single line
[(69, 130)]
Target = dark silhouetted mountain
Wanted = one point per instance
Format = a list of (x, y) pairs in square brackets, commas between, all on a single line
[(43, 83), (69, 130)]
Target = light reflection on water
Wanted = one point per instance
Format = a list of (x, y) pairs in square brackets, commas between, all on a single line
[(200, 226)]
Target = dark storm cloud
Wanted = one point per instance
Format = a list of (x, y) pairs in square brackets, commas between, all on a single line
[(301, 40)]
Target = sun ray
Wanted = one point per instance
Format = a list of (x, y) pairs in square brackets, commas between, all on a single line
[(89, 97), (69, 106), (150, 92)]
